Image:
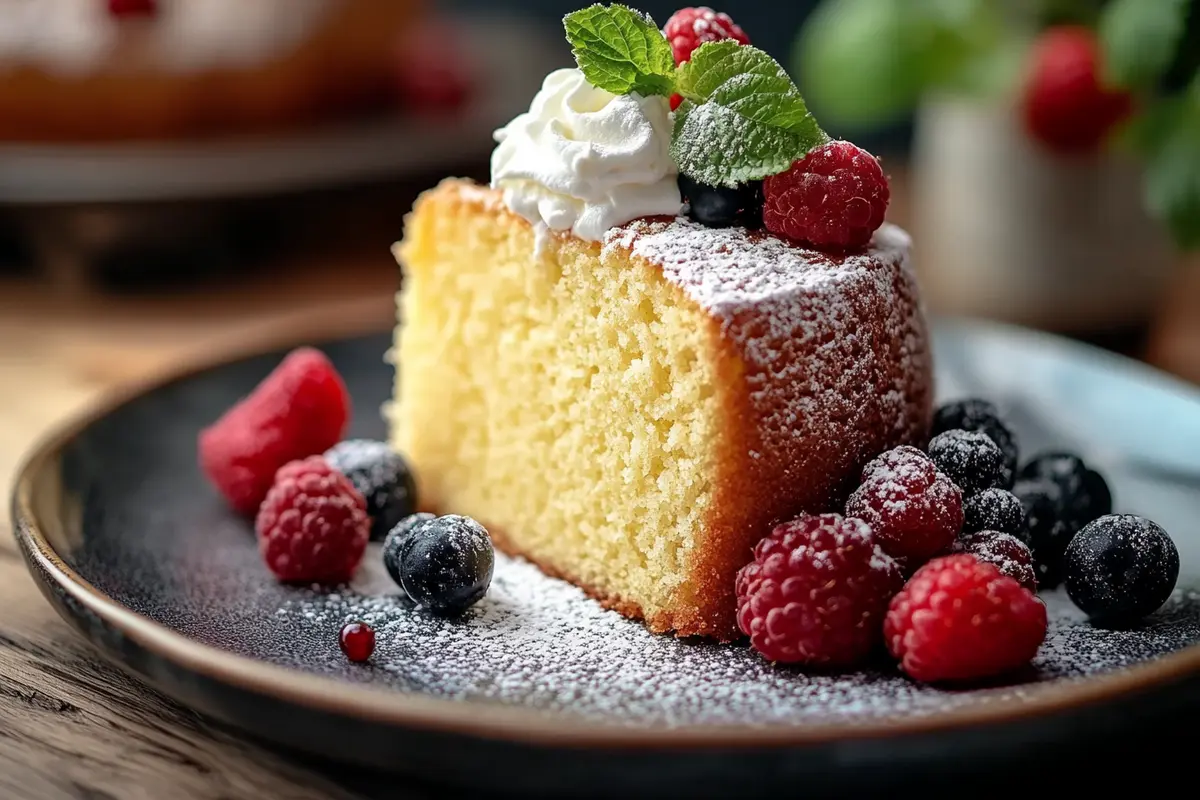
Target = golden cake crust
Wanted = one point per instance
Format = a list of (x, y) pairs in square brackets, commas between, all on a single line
[(821, 363)]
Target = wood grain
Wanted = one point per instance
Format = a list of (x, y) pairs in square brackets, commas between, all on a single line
[(71, 724)]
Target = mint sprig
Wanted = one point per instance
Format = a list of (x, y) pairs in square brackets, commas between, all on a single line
[(742, 118), (621, 50)]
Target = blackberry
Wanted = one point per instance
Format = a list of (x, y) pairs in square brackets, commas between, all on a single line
[(720, 206), (1004, 551), (994, 510), (394, 543), (1085, 494), (1121, 568), (382, 477), (971, 459), (982, 416), (1047, 531), (446, 564)]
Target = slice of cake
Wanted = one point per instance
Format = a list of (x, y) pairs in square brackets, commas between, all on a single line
[(629, 397)]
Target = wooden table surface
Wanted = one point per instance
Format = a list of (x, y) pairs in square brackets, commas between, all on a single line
[(73, 726)]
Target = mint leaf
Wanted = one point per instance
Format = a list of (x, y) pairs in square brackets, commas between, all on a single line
[(742, 119), (1139, 38), (1173, 171), (621, 50)]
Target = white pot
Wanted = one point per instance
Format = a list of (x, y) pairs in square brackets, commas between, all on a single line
[(1008, 231)]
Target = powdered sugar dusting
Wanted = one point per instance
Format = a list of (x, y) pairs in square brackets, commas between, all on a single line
[(538, 642)]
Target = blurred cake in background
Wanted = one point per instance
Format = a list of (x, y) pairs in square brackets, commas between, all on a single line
[(86, 70)]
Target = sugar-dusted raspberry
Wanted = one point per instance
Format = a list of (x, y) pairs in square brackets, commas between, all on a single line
[(688, 28), (835, 197), (313, 525), (299, 410), (959, 619), (816, 592), (1003, 551), (970, 459), (914, 510), (1066, 105)]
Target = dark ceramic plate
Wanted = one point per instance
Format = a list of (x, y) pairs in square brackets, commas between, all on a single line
[(540, 689)]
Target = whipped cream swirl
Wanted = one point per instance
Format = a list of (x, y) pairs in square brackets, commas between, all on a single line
[(586, 160)]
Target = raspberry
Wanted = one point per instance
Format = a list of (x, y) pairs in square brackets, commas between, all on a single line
[(970, 459), (834, 197), (960, 619), (816, 592), (688, 28), (431, 69), (132, 8), (1003, 551), (299, 410), (313, 525), (1065, 106), (914, 510)]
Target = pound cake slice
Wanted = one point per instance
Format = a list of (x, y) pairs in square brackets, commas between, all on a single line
[(633, 414)]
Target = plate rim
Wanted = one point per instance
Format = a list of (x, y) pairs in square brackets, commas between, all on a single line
[(496, 721)]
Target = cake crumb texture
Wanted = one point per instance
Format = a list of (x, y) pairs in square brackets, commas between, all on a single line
[(633, 415)]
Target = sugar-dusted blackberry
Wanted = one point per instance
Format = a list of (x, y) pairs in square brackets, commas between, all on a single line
[(970, 458), (1085, 493), (994, 510), (383, 478), (1047, 531), (394, 542), (720, 206), (446, 564), (980, 415), (1121, 568), (1004, 551)]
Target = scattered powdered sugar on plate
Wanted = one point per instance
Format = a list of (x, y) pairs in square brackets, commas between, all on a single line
[(540, 643)]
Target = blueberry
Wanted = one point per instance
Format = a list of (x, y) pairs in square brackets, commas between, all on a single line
[(1085, 494), (1121, 568), (381, 476), (446, 564), (994, 510), (970, 459), (721, 206), (982, 416), (1047, 530), (394, 543)]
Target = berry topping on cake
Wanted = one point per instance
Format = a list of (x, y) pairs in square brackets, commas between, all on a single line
[(1066, 106), (959, 619), (718, 206), (313, 524), (914, 510), (446, 564), (688, 28), (982, 416), (382, 477), (1085, 493), (994, 510), (1047, 530), (132, 8), (1121, 568), (357, 640), (816, 592), (834, 197), (1004, 551), (971, 459), (394, 543), (300, 409)]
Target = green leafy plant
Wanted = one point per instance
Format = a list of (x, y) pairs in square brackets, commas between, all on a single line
[(742, 117), (866, 63)]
